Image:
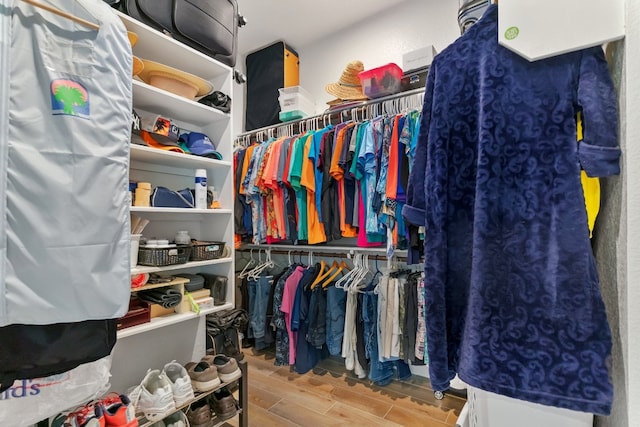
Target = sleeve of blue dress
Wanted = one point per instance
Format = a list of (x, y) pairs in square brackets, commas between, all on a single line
[(414, 210), (598, 152)]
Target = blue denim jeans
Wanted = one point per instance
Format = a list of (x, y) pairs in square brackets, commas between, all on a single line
[(336, 306), (258, 301), (381, 373)]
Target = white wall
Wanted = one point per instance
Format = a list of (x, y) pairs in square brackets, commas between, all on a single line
[(632, 160), (376, 41)]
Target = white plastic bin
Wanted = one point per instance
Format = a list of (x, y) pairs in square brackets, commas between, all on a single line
[(135, 245), (493, 410), (295, 98)]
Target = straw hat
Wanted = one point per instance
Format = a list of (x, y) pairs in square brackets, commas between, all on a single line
[(173, 80), (133, 38), (138, 65), (348, 87)]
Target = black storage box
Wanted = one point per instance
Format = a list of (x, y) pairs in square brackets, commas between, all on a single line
[(414, 79)]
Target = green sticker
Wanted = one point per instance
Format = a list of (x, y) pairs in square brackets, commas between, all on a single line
[(511, 33)]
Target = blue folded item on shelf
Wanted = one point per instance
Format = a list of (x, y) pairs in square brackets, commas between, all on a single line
[(163, 197)]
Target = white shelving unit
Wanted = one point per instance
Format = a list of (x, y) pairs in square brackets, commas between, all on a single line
[(178, 336)]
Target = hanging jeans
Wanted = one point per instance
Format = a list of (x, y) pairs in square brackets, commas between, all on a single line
[(258, 301), (336, 306), (381, 373), (317, 317)]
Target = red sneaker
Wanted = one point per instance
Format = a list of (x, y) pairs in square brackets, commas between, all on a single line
[(89, 415), (118, 411)]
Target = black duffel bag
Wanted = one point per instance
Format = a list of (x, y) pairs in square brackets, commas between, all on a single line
[(223, 335), (209, 26)]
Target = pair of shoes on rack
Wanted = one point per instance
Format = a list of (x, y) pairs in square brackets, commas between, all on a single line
[(199, 414), (177, 419), (161, 392), (223, 404), (211, 371), (227, 367), (114, 410)]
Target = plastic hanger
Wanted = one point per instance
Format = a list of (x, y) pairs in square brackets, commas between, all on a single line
[(320, 275), (340, 284), (244, 271), (324, 275), (340, 267)]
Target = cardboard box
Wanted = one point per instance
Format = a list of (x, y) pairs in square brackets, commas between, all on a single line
[(158, 311), (419, 58), (200, 293)]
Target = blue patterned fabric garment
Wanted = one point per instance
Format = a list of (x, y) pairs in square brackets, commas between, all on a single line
[(512, 291)]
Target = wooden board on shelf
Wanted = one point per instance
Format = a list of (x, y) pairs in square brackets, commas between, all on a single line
[(176, 281)]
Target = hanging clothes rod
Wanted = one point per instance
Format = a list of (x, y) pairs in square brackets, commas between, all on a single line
[(329, 251), (329, 113), (63, 14)]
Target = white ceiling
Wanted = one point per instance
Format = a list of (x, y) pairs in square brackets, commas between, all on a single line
[(300, 22)]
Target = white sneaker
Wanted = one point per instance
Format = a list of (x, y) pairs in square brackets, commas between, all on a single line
[(180, 383), (153, 397), (177, 419)]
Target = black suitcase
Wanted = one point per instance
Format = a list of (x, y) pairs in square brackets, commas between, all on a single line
[(269, 69), (209, 26)]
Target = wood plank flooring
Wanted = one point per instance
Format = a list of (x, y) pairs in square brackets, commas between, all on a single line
[(332, 396)]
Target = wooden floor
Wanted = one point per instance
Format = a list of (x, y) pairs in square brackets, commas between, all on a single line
[(332, 396)]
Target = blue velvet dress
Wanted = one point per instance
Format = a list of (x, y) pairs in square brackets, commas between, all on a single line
[(513, 299)]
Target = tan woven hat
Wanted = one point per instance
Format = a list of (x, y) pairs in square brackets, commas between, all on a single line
[(348, 87), (173, 80)]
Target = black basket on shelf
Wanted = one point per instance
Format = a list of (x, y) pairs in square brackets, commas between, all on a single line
[(203, 251), (159, 257)]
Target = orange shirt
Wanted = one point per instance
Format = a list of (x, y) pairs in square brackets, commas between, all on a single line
[(245, 165)]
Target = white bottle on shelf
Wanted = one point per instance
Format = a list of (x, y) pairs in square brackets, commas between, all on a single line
[(201, 189)]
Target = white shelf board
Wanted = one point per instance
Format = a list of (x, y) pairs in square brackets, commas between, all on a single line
[(156, 46), (192, 264), (160, 322), (134, 209), (171, 159), (153, 99)]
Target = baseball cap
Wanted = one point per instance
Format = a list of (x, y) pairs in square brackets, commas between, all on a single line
[(162, 129), (199, 144)]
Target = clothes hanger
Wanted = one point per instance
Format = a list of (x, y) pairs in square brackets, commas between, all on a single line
[(340, 267), (243, 273), (324, 275), (321, 273), (64, 14), (340, 284)]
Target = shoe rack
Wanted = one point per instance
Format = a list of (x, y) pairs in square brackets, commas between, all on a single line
[(241, 413)]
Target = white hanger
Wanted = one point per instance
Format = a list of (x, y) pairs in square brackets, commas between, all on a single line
[(340, 283), (243, 273)]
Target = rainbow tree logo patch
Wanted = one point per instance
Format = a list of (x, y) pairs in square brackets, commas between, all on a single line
[(70, 98)]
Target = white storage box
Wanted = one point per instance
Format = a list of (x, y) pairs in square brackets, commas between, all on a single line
[(493, 410), (295, 98), (419, 58)]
